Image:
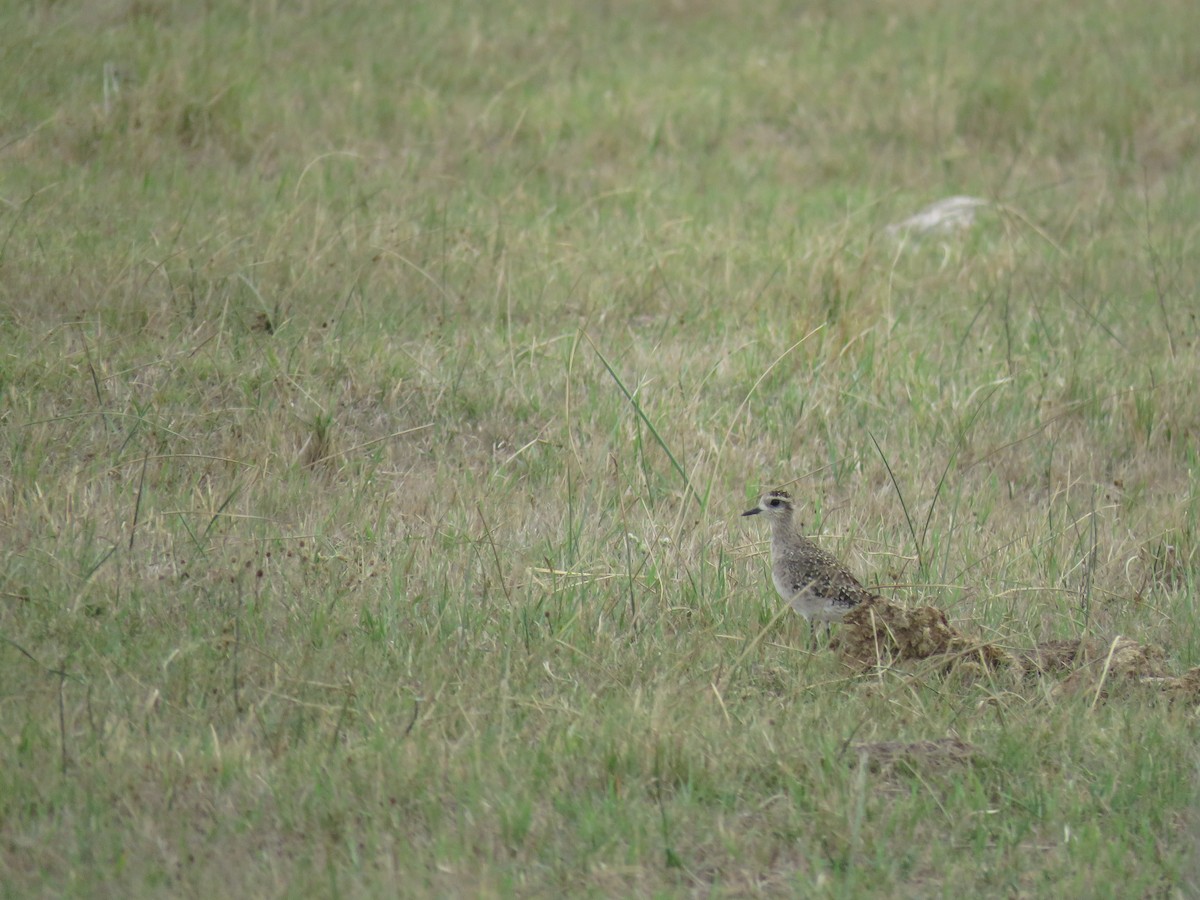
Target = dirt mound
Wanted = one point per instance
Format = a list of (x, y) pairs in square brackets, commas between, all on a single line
[(930, 754), (1055, 657), (1185, 687), (1096, 666), (1123, 657), (880, 634)]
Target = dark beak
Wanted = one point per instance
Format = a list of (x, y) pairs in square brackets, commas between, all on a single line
[(752, 512)]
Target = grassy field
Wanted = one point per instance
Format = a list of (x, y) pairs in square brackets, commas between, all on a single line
[(381, 383)]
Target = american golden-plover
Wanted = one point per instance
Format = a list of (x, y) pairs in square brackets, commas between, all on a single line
[(814, 583)]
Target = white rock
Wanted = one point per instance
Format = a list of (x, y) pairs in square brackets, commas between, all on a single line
[(944, 216)]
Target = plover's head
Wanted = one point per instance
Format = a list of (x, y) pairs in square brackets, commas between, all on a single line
[(774, 505)]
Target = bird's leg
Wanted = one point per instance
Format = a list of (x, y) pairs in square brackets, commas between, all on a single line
[(813, 640)]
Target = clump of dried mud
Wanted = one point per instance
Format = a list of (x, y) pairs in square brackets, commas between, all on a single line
[(880, 634), (937, 753)]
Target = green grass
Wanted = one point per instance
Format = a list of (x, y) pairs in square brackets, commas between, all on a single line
[(381, 385)]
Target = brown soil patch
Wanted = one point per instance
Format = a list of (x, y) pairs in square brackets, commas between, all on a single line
[(879, 633), (1185, 687), (1098, 666), (936, 753)]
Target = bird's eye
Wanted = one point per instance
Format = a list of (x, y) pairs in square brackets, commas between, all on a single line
[(775, 501)]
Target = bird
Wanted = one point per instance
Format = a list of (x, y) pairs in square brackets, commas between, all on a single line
[(812, 582)]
